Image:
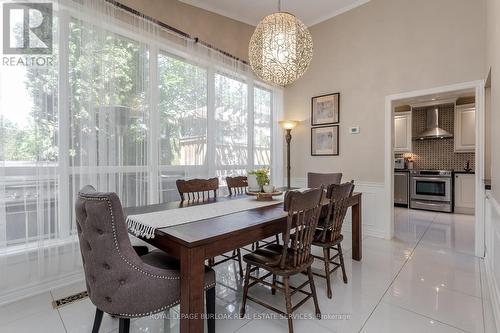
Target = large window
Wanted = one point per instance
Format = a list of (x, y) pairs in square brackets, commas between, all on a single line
[(124, 114)]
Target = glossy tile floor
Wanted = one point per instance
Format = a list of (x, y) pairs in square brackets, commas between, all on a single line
[(424, 280)]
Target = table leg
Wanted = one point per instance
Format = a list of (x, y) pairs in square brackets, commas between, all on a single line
[(356, 231), (192, 295)]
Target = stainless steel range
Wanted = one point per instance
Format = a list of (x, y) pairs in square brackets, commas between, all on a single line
[(431, 190)]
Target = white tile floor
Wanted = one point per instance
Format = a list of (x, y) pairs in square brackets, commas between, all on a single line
[(424, 280)]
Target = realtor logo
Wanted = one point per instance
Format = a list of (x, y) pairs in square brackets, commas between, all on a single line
[(27, 28)]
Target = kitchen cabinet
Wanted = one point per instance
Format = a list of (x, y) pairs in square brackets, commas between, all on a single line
[(465, 193), (465, 128), (402, 132)]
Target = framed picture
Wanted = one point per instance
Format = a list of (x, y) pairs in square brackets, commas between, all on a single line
[(325, 141), (325, 109)]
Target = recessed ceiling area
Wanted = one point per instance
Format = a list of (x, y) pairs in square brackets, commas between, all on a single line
[(252, 11)]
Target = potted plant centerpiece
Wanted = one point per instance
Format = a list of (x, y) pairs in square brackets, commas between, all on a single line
[(261, 178)]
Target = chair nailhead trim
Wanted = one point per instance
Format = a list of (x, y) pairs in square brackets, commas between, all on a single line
[(110, 207)]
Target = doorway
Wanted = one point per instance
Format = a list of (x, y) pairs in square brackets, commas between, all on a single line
[(424, 101)]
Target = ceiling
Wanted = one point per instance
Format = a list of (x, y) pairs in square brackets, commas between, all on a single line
[(252, 11)]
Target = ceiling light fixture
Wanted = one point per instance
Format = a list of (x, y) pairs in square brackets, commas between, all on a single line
[(281, 48)]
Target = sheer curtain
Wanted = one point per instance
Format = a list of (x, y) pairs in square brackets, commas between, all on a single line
[(128, 107)]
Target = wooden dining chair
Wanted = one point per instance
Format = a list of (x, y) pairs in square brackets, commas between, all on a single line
[(291, 258), (328, 236), (119, 281), (200, 191), (237, 185), (315, 180)]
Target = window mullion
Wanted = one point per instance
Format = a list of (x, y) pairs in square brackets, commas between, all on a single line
[(211, 124), (250, 124), (154, 125), (64, 215)]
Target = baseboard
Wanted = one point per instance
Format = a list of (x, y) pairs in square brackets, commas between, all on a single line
[(374, 219), (39, 288)]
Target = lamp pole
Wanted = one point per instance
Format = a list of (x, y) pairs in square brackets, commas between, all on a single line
[(288, 139)]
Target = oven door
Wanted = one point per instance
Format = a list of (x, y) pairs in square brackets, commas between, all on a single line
[(431, 188)]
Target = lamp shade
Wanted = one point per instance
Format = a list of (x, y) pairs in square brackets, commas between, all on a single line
[(281, 49), (289, 124)]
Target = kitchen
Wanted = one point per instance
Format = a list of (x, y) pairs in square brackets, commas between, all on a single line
[(434, 153)]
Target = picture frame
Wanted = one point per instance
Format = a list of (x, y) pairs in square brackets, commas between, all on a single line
[(325, 109), (325, 141)]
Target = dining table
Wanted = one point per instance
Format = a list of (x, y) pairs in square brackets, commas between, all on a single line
[(193, 243)]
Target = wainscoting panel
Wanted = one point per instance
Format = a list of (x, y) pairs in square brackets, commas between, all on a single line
[(375, 223), (492, 257)]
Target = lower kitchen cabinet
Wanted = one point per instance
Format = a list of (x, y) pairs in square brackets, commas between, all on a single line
[(465, 193)]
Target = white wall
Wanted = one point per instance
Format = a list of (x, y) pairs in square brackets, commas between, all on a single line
[(382, 48), (492, 227)]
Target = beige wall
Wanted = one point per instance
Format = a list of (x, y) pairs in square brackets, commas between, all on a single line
[(227, 34), (381, 48), (493, 62)]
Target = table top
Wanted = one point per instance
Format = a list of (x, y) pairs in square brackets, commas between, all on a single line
[(214, 228)]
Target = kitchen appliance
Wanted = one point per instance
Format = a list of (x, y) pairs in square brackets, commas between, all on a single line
[(399, 163), (431, 190), (401, 187), (433, 131)]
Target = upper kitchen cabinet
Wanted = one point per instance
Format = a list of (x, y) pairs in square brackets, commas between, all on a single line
[(465, 128), (402, 132)]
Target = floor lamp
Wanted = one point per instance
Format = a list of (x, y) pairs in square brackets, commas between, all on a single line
[(288, 125)]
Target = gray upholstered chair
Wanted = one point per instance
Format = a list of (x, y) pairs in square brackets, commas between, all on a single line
[(315, 180), (119, 282)]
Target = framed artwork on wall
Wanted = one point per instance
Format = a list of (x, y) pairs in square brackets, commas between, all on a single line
[(325, 141), (325, 109)]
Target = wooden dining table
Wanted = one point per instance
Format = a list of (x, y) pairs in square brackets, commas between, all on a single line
[(192, 243)]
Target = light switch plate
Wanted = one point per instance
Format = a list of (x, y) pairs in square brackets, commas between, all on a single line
[(354, 130)]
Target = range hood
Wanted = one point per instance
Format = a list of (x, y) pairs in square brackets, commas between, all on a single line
[(433, 131)]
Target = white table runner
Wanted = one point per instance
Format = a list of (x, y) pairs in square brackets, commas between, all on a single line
[(144, 225)]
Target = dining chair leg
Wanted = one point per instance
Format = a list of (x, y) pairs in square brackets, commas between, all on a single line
[(278, 239), (326, 259), (313, 291), (273, 288), (288, 300), (210, 299), (124, 325), (342, 266), (245, 291), (97, 320), (238, 253)]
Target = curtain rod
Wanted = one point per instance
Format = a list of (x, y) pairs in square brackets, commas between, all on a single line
[(175, 30)]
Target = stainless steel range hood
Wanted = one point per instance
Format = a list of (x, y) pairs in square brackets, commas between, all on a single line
[(433, 131)]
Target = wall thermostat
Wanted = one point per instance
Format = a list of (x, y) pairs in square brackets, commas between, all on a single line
[(354, 130)]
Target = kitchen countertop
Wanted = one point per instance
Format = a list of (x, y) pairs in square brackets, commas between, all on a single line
[(462, 172), (401, 170)]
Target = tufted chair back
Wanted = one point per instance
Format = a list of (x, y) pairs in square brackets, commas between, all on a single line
[(118, 281)]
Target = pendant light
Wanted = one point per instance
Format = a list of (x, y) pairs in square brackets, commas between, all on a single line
[(281, 48)]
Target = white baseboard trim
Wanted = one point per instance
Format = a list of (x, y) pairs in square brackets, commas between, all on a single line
[(375, 223), (39, 288), (492, 224)]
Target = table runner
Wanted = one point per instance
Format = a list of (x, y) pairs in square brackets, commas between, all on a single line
[(144, 225)]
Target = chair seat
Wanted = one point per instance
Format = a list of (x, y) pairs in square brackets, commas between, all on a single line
[(269, 258), (318, 242), (160, 259)]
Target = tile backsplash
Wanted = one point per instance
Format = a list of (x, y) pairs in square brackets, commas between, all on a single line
[(439, 153)]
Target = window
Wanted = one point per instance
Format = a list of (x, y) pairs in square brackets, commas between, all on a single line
[(132, 116), (262, 127)]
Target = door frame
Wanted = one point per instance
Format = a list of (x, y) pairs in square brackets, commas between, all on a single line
[(478, 86)]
